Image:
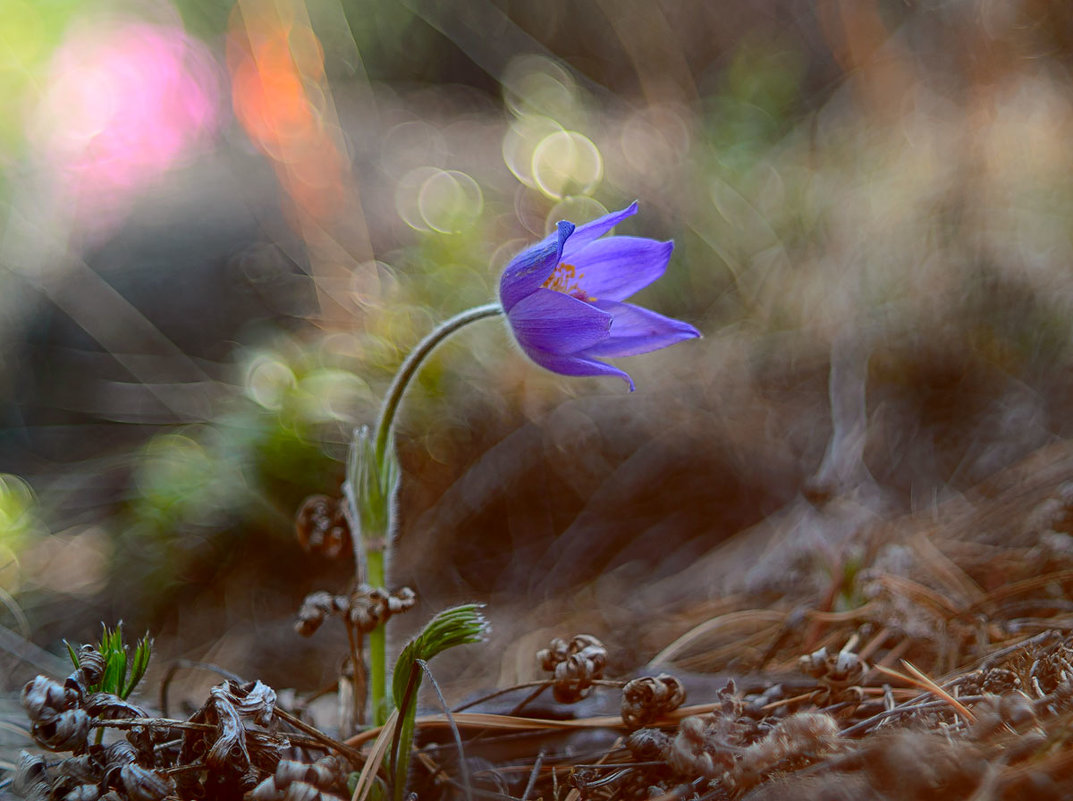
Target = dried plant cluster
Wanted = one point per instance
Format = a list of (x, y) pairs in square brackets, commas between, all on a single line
[(898, 735), (936, 663), (237, 744)]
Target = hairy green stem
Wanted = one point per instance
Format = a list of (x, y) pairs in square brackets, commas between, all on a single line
[(411, 364), (377, 542), (377, 644)]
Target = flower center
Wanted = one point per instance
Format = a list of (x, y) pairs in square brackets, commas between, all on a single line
[(566, 279)]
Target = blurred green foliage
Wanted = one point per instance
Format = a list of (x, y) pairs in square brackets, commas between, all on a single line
[(20, 524), (29, 32)]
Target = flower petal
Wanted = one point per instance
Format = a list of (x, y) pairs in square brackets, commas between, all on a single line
[(616, 267), (530, 268), (588, 233), (577, 366), (637, 330), (555, 323)]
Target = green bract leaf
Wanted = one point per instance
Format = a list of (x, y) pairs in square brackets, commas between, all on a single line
[(370, 486), (142, 652), (457, 626)]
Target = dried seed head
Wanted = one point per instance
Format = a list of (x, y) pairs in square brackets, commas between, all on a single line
[(401, 601), (144, 785), (647, 698), (731, 704), (31, 778), (302, 791), (802, 735), (806, 731), (322, 527), (698, 750), (63, 731), (288, 771), (80, 769), (44, 697), (91, 665), (692, 728), (370, 607), (267, 790), (648, 745), (316, 608), (119, 753), (843, 668), (84, 792), (814, 664), (329, 771), (575, 665), (551, 656), (253, 699)]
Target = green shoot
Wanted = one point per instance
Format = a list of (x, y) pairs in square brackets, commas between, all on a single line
[(458, 626), (121, 674)]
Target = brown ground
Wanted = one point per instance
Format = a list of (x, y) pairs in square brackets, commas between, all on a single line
[(925, 656), (933, 664)]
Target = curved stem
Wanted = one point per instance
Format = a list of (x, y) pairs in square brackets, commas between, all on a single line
[(411, 364), (374, 550)]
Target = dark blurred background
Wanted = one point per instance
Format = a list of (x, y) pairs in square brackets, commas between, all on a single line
[(223, 226)]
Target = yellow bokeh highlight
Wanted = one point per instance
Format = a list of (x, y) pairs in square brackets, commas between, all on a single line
[(536, 85), (22, 34), (450, 201), (268, 380), (521, 140), (445, 201), (18, 522), (567, 163)]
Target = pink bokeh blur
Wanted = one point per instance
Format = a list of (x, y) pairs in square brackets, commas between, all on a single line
[(124, 101)]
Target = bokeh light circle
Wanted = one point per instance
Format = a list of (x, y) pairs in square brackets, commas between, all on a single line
[(450, 201), (329, 394), (16, 501), (567, 163), (373, 283), (268, 380), (407, 196), (537, 85), (521, 140)]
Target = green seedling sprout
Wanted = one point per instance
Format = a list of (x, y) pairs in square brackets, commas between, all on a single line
[(121, 675), (457, 626)]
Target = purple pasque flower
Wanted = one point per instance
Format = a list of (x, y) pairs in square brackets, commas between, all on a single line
[(564, 298)]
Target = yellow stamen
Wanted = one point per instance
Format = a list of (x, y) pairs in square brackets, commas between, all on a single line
[(566, 279)]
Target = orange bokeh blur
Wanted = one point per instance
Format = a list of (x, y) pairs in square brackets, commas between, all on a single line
[(279, 94)]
